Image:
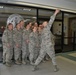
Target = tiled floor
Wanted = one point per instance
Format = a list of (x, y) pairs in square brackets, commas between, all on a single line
[(66, 66), (73, 54)]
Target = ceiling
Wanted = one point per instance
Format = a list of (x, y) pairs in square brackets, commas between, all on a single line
[(71, 0)]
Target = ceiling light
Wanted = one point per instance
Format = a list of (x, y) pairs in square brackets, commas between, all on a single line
[(1, 6), (26, 9), (34, 17)]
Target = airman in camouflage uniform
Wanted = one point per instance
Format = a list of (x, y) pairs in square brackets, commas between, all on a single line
[(17, 37), (17, 43), (25, 42), (33, 45), (7, 40), (46, 45), (39, 36)]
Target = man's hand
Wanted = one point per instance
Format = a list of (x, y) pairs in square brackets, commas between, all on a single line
[(56, 11), (17, 45), (37, 45), (27, 41), (8, 45)]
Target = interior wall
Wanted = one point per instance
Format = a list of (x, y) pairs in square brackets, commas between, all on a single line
[(57, 28)]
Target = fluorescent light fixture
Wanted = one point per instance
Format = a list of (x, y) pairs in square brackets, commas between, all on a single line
[(26, 20), (34, 17), (25, 9), (1, 6), (66, 14)]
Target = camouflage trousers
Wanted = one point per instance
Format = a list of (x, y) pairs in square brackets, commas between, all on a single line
[(7, 54), (34, 52), (46, 50), (17, 53), (25, 51)]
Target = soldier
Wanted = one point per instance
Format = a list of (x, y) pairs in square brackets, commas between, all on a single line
[(17, 43), (25, 42), (33, 45), (53, 43), (46, 45), (20, 21), (39, 35), (7, 40), (40, 31)]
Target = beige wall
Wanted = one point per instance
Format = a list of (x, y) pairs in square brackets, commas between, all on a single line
[(57, 28)]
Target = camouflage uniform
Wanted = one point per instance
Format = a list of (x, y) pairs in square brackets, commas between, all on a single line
[(52, 39), (7, 39), (33, 46), (17, 41), (46, 45), (18, 18), (25, 45), (40, 40)]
